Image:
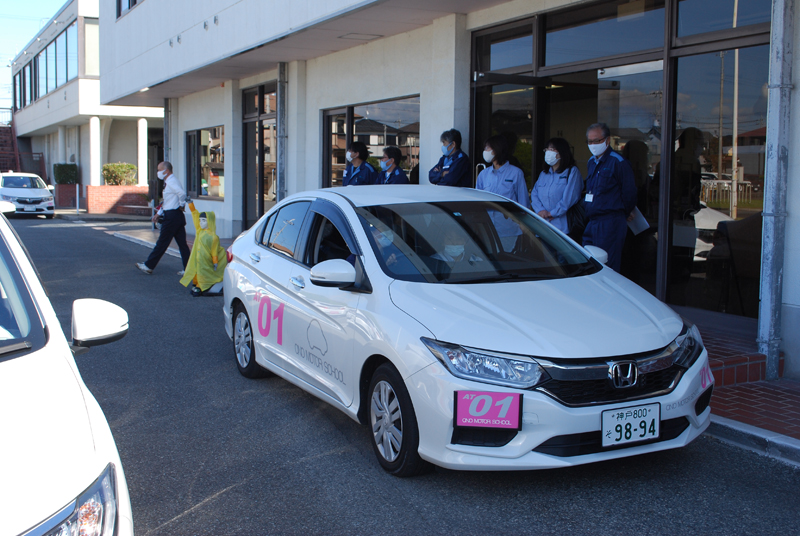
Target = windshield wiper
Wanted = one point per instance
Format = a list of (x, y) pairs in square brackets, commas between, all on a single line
[(15, 347), (489, 279)]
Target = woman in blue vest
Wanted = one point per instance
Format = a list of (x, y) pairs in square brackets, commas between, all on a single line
[(391, 172), (453, 168), (358, 172)]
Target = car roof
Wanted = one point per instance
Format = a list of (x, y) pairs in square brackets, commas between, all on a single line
[(394, 194), (18, 174)]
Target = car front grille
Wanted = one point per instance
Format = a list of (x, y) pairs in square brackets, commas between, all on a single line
[(565, 446), (602, 391), (29, 201)]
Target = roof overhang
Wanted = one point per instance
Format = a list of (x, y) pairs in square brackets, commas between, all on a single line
[(383, 19)]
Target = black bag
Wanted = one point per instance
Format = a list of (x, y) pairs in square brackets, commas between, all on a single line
[(576, 221)]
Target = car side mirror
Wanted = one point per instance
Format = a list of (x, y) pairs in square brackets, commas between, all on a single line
[(333, 273), (7, 207), (96, 322), (51, 187), (598, 253)]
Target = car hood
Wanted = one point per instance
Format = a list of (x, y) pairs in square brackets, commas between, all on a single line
[(33, 193), (599, 315), (47, 455)]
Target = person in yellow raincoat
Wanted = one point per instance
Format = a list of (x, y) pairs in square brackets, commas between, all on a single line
[(208, 259)]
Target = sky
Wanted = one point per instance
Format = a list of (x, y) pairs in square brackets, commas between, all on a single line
[(20, 22)]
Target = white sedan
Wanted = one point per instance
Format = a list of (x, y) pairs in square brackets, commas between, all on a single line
[(28, 193), (463, 330), (60, 472)]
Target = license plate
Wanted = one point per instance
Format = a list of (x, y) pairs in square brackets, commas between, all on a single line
[(486, 409), (29, 208), (629, 425)]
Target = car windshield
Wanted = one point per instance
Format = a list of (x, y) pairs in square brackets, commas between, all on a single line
[(22, 181), (469, 242), (15, 322)]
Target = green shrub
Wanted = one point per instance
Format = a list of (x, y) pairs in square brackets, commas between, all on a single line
[(119, 174), (66, 173)]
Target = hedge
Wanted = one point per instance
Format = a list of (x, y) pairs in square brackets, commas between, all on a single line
[(119, 174), (66, 173)]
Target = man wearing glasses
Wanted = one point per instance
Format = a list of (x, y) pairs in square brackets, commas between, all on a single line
[(610, 196)]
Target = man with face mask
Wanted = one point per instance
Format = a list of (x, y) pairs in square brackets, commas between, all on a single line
[(453, 168), (174, 224), (610, 195)]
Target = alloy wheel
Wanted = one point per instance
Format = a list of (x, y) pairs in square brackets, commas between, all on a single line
[(387, 421)]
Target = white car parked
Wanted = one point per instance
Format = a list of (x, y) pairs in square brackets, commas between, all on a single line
[(463, 330), (60, 473), (28, 193)]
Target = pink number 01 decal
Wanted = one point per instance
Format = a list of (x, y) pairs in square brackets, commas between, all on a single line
[(265, 317)]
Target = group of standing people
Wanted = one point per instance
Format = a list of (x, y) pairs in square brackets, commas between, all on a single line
[(608, 195)]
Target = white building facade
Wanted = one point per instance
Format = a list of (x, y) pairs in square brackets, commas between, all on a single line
[(57, 110), (261, 99)]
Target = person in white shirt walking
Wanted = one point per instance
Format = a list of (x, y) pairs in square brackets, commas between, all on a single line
[(174, 224)]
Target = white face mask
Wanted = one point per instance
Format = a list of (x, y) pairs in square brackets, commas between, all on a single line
[(349, 156), (551, 157), (161, 174), (598, 148), (488, 156), (454, 250), (203, 223)]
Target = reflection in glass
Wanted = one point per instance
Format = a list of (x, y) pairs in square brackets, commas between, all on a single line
[(72, 51), (61, 59), (700, 16), (629, 99), (387, 123), (507, 110), (717, 181), (602, 30), (42, 67), (250, 102), (506, 49), (51, 66), (211, 163), (269, 134), (250, 143), (337, 130)]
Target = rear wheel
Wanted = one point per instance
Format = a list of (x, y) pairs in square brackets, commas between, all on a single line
[(393, 424), (243, 345)]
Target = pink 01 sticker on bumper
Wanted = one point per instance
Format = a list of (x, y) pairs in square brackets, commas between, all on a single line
[(485, 409)]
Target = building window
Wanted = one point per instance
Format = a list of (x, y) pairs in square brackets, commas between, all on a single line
[(377, 125), (61, 59), (51, 66), (72, 50), (17, 91), (28, 84), (701, 16), (260, 155), (41, 69), (91, 47), (205, 162), (123, 6), (607, 29)]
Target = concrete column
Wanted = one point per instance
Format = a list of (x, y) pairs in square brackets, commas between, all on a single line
[(95, 156), (445, 104), (62, 144), (297, 177), (141, 160)]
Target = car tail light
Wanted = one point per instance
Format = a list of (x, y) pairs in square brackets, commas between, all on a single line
[(229, 254)]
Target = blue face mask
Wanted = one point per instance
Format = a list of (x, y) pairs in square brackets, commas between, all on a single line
[(386, 164), (446, 149)]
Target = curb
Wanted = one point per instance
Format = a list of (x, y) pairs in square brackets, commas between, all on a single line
[(170, 250), (771, 444), (99, 219)]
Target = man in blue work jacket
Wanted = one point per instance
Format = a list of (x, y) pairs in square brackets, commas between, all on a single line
[(453, 168), (358, 172), (391, 172), (610, 196)]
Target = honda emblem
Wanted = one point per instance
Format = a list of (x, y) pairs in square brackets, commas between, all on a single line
[(623, 374)]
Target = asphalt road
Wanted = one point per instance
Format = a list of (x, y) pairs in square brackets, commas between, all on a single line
[(207, 451)]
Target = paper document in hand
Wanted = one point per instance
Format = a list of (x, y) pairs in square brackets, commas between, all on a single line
[(638, 223)]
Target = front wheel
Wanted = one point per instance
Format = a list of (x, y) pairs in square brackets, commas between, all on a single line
[(243, 345), (393, 423)]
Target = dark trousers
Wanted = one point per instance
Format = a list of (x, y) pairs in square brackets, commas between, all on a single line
[(608, 232), (173, 226)]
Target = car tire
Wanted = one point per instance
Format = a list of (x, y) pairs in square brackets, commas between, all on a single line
[(49, 216), (243, 346), (393, 424)]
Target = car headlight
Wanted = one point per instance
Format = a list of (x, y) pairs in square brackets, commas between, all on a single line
[(690, 346), (8, 198), (487, 368), (48, 198), (95, 510)]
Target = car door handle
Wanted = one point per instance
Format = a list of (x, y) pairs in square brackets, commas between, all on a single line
[(298, 282), (256, 257)]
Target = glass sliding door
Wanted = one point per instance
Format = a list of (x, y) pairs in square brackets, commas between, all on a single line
[(716, 187)]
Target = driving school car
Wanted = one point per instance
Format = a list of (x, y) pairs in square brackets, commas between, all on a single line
[(463, 330)]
